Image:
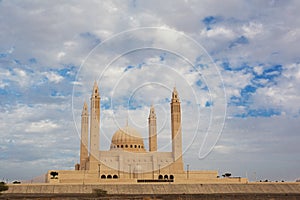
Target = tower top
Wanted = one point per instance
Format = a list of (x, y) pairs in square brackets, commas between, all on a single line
[(175, 94), (152, 112), (85, 109), (95, 90)]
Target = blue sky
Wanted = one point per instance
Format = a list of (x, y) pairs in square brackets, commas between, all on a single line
[(51, 52)]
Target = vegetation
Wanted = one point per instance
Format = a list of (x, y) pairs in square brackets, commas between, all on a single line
[(226, 174), (3, 186), (16, 182)]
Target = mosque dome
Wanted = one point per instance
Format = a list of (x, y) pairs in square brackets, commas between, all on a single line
[(127, 139)]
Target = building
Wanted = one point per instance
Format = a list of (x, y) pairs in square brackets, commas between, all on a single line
[(127, 160)]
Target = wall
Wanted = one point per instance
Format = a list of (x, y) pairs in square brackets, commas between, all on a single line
[(166, 188)]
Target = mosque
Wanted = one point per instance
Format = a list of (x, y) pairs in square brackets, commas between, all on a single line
[(127, 160)]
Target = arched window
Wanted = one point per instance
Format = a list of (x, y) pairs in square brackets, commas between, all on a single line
[(115, 176), (103, 176), (131, 146), (139, 146), (118, 146), (109, 176), (134, 146), (166, 177), (126, 146), (160, 177), (122, 146), (171, 177)]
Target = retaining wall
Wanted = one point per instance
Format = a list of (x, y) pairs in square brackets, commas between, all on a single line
[(166, 188)]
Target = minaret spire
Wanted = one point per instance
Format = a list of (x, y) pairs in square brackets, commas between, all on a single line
[(94, 128), (152, 130), (176, 129), (84, 137)]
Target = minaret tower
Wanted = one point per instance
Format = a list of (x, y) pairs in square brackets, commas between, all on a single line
[(176, 129), (84, 137), (152, 130), (94, 128)]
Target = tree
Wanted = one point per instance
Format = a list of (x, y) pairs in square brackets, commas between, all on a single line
[(3, 186), (227, 174), (16, 182)]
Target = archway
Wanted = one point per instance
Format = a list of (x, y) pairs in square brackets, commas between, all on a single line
[(115, 176), (171, 177), (160, 177), (166, 177), (103, 176), (109, 176)]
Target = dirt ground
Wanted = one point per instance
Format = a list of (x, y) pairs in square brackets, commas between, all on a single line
[(152, 197)]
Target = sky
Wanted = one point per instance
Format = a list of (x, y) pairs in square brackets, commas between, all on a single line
[(235, 65)]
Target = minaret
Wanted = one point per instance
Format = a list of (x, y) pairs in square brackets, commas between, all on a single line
[(176, 128), (94, 128), (152, 130), (84, 137)]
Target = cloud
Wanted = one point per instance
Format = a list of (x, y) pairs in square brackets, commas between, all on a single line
[(53, 77), (41, 126)]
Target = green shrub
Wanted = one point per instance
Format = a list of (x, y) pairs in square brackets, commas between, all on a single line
[(3, 186)]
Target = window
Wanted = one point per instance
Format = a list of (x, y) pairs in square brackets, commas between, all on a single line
[(131, 146), (103, 176), (122, 146), (109, 176), (171, 177), (166, 177), (115, 176), (160, 177), (126, 146), (134, 146)]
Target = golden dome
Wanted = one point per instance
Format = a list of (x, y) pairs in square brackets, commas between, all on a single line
[(127, 139)]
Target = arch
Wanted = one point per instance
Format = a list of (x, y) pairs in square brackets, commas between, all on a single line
[(166, 177), (171, 177), (109, 176), (160, 177), (103, 176), (115, 176)]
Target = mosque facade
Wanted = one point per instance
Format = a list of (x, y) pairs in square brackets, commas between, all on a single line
[(127, 160)]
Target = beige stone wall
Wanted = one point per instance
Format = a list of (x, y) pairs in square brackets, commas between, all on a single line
[(84, 177), (166, 188)]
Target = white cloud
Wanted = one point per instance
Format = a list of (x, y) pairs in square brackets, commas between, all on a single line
[(53, 77), (218, 32), (252, 29), (41, 126), (258, 70)]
